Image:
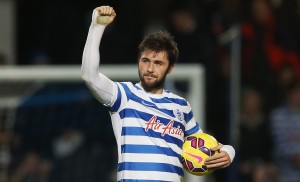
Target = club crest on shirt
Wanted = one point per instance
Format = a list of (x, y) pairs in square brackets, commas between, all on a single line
[(178, 114)]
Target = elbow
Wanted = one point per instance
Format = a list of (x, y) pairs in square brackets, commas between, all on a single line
[(84, 78), (84, 75), (89, 77)]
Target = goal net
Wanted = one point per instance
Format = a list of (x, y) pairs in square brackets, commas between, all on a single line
[(52, 128)]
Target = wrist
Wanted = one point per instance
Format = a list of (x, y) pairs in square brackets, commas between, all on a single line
[(229, 150)]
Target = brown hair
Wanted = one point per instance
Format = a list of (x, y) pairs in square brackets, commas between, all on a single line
[(160, 41)]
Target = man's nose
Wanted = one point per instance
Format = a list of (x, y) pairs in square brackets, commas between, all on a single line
[(150, 67)]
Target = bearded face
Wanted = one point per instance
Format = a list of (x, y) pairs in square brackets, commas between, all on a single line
[(153, 69)]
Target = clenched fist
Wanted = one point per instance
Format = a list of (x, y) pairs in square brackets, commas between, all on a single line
[(104, 15)]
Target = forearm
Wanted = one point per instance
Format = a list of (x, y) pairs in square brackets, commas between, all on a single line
[(91, 56), (99, 84)]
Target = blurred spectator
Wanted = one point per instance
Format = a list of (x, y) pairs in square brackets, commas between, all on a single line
[(284, 79), (195, 26), (255, 146), (184, 26), (285, 125), (32, 169), (263, 55), (5, 138), (152, 22), (5, 156), (3, 60), (77, 160), (258, 35), (67, 143)]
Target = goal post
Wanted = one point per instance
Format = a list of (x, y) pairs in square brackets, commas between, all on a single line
[(192, 74)]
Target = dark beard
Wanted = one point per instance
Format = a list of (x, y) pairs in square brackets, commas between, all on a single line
[(158, 84)]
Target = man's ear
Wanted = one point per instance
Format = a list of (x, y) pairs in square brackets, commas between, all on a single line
[(171, 68)]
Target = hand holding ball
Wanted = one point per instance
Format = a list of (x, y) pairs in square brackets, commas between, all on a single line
[(195, 150)]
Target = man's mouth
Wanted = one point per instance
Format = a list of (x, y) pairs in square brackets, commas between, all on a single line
[(149, 76)]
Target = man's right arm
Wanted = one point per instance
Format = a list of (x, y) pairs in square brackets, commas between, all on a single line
[(101, 86)]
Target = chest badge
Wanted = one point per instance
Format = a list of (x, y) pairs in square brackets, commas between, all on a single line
[(178, 114)]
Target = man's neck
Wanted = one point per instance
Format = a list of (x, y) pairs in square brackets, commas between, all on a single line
[(152, 90)]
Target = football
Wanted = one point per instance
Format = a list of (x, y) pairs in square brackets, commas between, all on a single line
[(195, 150)]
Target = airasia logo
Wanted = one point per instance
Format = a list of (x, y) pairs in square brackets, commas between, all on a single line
[(156, 125)]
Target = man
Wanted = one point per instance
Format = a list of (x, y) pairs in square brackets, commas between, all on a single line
[(285, 126), (149, 123)]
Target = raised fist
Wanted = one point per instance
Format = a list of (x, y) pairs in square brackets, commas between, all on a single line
[(104, 15)]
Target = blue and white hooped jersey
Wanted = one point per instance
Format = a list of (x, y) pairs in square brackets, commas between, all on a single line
[(150, 130)]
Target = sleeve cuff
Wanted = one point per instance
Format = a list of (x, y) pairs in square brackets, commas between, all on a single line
[(229, 150)]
